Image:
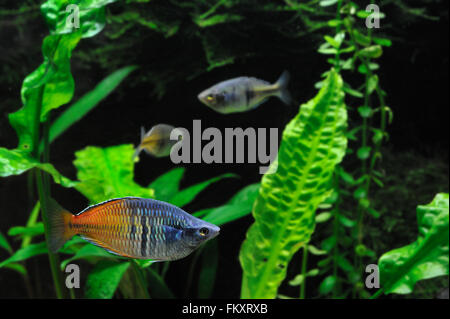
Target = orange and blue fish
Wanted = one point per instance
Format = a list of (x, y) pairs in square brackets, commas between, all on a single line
[(132, 227)]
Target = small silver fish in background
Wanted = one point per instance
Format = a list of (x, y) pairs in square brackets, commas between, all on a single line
[(243, 94), (156, 142)]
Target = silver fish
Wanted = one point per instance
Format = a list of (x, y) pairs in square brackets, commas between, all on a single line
[(244, 93), (156, 142)]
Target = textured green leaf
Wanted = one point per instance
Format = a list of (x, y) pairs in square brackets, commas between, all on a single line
[(87, 102), (59, 16), (427, 257), (51, 84), (25, 253), (103, 280), (16, 162), (312, 144), (106, 173)]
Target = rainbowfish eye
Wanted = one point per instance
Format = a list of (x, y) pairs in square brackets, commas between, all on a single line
[(204, 231), (210, 98)]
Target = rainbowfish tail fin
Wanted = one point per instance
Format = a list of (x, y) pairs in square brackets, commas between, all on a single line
[(283, 92), (58, 220)]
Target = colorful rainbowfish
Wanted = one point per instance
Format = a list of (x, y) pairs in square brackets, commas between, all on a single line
[(132, 227)]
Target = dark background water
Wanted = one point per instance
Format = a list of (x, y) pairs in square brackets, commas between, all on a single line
[(414, 73)]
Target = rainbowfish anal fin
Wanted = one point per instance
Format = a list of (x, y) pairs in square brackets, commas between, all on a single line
[(102, 245)]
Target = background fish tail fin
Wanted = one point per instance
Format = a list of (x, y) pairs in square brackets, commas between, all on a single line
[(142, 133), (283, 92), (58, 220), (136, 154)]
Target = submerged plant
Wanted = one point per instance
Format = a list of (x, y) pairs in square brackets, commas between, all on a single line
[(312, 144), (102, 173)]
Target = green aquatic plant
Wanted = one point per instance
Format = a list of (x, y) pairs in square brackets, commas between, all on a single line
[(312, 144)]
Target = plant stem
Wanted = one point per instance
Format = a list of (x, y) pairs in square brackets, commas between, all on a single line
[(304, 265), (337, 64), (44, 193)]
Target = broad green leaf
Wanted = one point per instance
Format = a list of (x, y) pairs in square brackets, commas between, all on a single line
[(87, 102), (168, 184), (239, 206), (186, 195), (4, 244), (51, 84), (25, 253), (48, 87), (427, 257), (103, 280), (313, 143), (106, 173), (16, 162), (207, 275)]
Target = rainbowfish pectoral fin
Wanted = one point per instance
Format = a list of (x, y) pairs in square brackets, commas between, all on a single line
[(283, 92), (59, 230)]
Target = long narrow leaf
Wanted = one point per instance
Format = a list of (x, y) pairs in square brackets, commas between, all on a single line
[(25, 253), (87, 102)]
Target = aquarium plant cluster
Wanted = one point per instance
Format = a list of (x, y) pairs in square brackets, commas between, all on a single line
[(311, 189)]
